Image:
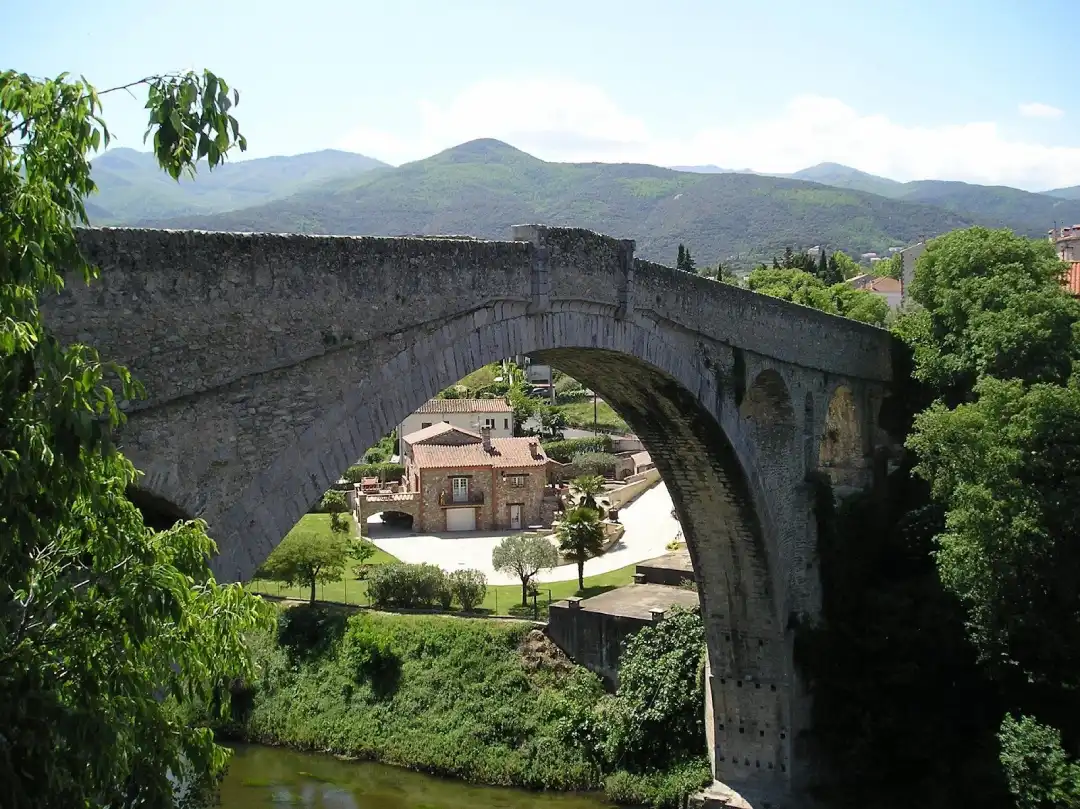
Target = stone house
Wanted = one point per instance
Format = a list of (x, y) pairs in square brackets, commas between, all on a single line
[(468, 414), (469, 481)]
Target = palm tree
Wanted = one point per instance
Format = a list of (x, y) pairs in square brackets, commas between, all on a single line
[(581, 537), (588, 486)]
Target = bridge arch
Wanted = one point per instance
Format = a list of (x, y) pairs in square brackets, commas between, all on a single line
[(695, 434)]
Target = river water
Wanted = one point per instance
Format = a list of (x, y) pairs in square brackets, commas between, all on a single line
[(275, 778)]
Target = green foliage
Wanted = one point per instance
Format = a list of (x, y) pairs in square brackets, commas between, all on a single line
[(891, 267), (524, 407), (107, 629), (1006, 467), (368, 653), (1039, 773), (581, 537), (524, 556), (808, 290), (462, 705), (334, 502), (385, 472), (360, 550), (469, 587), (992, 305), (566, 387), (305, 558), (845, 265), (587, 487), (726, 275), (657, 718), (661, 789), (565, 451), (594, 464), (406, 585), (684, 261)]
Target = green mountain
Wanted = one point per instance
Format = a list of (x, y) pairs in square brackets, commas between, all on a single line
[(1072, 192), (841, 176), (131, 186), (995, 205), (483, 187)]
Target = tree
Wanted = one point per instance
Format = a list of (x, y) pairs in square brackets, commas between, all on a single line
[(306, 558), (991, 304), (552, 422), (680, 259), (587, 487), (845, 265), (335, 504), (468, 586), (581, 537), (823, 268), (522, 405), (360, 550), (808, 290), (105, 625), (524, 556), (1039, 774), (726, 276)]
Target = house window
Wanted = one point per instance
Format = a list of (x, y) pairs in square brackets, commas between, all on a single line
[(517, 481), (489, 423), (424, 425), (506, 424), (460, 489)]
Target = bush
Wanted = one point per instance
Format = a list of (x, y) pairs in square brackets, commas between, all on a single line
[(469, 587), (565, 451), (569, 387), (382, 471), (368, 653), (667, 789), (403, 585), (595, 463)]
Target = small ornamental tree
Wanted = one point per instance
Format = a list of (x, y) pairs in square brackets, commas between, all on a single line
[(360, 550), (524, 556), (587, 487), (581, 537), (306, 558), (335, 503)]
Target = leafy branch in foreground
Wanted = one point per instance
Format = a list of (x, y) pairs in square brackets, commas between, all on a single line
[(106, 627)]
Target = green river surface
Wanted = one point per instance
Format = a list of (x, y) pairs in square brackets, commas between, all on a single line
[(275, 777)]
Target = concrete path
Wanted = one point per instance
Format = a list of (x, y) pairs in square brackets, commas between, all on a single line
[(649, 528)]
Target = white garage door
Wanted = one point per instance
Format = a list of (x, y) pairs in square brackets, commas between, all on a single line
[(461, 519)]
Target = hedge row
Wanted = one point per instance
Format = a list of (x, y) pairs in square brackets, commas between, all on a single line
[(425, 586), (565, 451)]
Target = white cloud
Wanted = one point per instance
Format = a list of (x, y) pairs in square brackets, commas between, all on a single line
[(570, 121), (1036, 109)]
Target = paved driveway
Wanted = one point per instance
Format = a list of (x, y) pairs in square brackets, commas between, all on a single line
[(649, 528)]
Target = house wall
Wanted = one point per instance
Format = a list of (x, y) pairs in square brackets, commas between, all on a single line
[(504, 424), (433, 481), (530, 496)]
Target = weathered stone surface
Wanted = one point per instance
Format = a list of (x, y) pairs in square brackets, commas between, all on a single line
[(272, 362)]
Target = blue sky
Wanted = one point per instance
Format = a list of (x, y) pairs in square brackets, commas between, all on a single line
[(908, 89)]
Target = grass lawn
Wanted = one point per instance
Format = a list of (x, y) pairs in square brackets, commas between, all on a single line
[(503, 599), (580, 415)]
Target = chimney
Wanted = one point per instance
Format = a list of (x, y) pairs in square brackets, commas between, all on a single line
[(485, 435)]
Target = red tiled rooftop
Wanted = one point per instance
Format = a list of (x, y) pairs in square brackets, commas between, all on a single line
[(505, 452), (436, 430), (464, 406)]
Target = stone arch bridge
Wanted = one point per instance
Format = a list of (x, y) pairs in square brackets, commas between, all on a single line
[(271, 362)]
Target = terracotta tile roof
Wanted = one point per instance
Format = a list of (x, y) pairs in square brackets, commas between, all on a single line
[(505, 452), (440, 429), (464, 406), (1071, 279), (884, 284)]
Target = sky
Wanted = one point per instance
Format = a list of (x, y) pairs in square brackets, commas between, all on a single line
[(972, 90)]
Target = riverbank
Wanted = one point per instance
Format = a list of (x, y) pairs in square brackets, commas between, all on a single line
[(486, 702)]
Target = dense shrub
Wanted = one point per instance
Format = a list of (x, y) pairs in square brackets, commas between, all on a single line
[(368, 652), (469, 587), (383, 471), (566, 450), (661, 789), (595, 463), (569, 387), (404, 585)]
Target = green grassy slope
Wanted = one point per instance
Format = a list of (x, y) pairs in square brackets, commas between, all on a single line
[(483, 187), (132, 187)]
